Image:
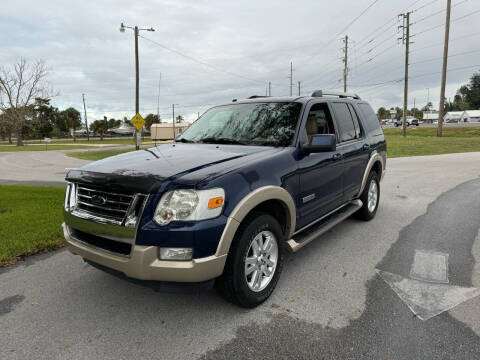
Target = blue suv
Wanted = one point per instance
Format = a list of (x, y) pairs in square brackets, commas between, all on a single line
[(221, 204)]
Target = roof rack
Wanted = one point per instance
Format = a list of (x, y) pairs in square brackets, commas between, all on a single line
[(257, 96), (320, 93)]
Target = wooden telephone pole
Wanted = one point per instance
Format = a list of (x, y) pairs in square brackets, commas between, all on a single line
[(441, 110), (345, 61), (86, 122), (406, 40), (291, 78)]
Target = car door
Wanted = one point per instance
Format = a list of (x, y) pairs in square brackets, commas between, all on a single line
[(320, 174), (352, 146)]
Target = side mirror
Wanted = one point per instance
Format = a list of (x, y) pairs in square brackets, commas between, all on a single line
[(321, 143)]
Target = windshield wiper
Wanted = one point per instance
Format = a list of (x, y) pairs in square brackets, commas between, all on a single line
[(184, 140), (213, 140)]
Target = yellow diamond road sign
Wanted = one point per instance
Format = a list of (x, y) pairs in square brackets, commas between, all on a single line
[(137, 121)]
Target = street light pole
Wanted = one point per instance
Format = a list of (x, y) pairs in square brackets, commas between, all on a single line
[(137, 83), (85, 112), (136, 31)]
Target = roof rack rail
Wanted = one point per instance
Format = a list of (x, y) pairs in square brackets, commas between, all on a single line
[(257, 96), (320, 93)]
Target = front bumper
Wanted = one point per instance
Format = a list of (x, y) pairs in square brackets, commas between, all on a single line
[(143, 262)]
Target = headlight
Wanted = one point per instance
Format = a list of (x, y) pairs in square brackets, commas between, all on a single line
[(189, 205), (70, 197)]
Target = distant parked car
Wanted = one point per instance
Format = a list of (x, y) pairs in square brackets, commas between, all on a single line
[(451, 121), (412, 121), (398, 122)]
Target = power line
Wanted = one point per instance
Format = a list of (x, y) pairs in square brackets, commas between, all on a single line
[(441, 43), (201, 62), (438, 12), (443, 24), (449, 56), (417, 76), (424, 6), (346, 27)]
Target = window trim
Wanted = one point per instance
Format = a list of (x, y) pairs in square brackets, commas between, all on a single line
[(339, 142), (301, 131)]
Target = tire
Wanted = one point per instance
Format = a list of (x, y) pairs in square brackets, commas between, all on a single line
[(367, 212), (234, 284)]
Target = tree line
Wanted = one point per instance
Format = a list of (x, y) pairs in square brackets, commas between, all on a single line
[(467, 97), (26, 111)]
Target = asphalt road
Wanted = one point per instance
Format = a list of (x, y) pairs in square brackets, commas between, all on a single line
[(41, 167), (330, 303)]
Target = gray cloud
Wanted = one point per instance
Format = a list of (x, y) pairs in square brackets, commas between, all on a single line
[(86, 53)]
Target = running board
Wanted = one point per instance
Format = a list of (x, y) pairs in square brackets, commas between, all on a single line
[(323, 226)]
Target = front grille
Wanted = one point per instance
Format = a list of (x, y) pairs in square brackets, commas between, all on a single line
[(102, 243), (100, 202)]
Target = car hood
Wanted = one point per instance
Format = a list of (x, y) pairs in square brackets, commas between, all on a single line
[(145, 170)]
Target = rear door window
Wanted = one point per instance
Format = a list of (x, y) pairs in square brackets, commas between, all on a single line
[(358, 130), (344, 120), (370, 119)]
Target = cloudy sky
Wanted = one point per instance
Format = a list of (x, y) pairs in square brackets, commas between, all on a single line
[(209, 52)]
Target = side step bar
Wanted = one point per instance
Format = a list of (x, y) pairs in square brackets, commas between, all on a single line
[(306, 236)]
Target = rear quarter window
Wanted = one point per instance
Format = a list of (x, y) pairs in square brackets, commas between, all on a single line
[(370, 119)]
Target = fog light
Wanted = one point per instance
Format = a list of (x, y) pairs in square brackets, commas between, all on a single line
[(175, 253)]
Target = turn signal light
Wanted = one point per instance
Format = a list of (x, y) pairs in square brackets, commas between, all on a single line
[(215, 202)]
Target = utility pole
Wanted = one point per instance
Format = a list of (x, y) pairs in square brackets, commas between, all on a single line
[(444, 70), (136, 30), (345, 61), (291, 78), (406, 40), (86, 122), (269, 88), (173, 118), (158, 98), (299, 88)]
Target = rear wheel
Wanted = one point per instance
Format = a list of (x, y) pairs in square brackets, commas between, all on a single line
[(254, 262), (370, 198)]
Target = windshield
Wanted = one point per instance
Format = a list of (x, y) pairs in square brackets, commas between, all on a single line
[(271, 124)]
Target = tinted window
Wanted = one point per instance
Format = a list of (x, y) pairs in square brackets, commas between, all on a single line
[(371, 121), (358, 131), (346, 128), (271, 124)]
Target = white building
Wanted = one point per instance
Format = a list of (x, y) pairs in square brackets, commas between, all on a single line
[(164, 131), (471, 116), (430, 116), (453, 116)]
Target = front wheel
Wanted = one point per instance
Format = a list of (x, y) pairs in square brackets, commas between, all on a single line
[(254, 262), (370, 198)]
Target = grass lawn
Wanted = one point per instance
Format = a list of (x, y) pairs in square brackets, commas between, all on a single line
[(30, 221), (419, 141), (4, 148), (124, 140), (424, 141), (98, 154)]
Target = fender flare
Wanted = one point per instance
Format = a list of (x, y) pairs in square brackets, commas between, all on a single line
[(375, 157), (247, 204)]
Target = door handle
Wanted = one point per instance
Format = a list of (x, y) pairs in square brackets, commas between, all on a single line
[(337, 156)]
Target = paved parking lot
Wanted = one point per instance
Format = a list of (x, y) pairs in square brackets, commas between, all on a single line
[(332, 301)]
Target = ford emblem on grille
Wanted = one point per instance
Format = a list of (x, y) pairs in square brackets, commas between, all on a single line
[(99, 200)]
